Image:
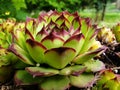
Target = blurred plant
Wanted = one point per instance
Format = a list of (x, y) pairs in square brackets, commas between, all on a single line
[(108, 81), (7, 59), (106, 36), (6, 9), (59, 5), (13, 9), (116, 31), (110, 38)]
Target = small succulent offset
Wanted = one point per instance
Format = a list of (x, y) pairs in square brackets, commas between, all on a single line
[(108, 81), (116, 31), (59, 48), (106, 36)]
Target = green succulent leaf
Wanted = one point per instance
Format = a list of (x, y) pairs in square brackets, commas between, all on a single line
[(41, 34), (61, 19), (36, 50), (73, 70), (7, 58), (28, 35), (4, 61), (41, 23), (51, 24), (5, 39), (30, 24), (81, 58), (112, 84), (84, 80), (106, 75), (59, 57), (22, 77), (41, 71), (108, 80), (21, 54), (84, 27), (70, 17), (55, 83), (53, 15), (89, 33), (19, 38), (76, 22), (52, 41), (116, 31), (75, 42), (94, 65), (20, 65), (2, 35)]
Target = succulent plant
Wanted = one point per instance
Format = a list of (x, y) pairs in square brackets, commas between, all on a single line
[(110, 38), (108, 81), (57, 46), (106, 36), (7, 59), (116, 31)]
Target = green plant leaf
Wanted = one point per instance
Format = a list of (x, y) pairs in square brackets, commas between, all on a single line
[(105, 76), (94, 65), (36, 50), (75, 42), (22, 77), (73, 70), (59, 57), (112, 85), (20, 38), (52, 41), (83, 80), (55, 83), (19, 4), (81, 58), (41, 71), (21, 54)]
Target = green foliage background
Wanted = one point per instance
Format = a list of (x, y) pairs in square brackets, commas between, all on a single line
[(20, 9)]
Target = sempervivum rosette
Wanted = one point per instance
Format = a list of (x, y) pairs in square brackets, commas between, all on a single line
[(57, 46), (106, 36), (7, 59)]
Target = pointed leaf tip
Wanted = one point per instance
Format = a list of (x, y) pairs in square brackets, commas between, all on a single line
[(52, 41), (33, 43), (41, 71), (60, 50), (75, 42), (84, 80), (22, 77), (80, 59), (20, 53), (36, 50), (59, 57)]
